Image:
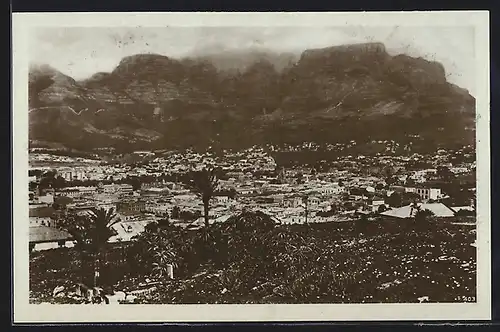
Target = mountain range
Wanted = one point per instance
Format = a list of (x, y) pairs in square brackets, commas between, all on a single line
[(236, 99)]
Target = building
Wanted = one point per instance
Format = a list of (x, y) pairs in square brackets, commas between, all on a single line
[(117, 188), (131, 206), (70, 175), (41, 216), (425, 193), (158, 209), (247, 190), (44, 237), (125, 188), (292, 202), (331, 189), (462, 208), (70, 192), (220, 199), (46, 199), (154, 184), (150, 193), (78, 191), (126, 230), (376, 203), (313, 201), (438, 209)]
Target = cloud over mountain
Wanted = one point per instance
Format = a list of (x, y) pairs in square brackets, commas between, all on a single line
[(238, 98)]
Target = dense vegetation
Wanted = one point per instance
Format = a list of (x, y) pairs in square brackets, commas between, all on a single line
[(249, 259)]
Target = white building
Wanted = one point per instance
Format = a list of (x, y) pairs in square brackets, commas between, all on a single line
[(78, 191), (70, 175), (438, 209), (117, 188), (425, 193), (221, 199), (376, 205), (292, 202), (126, 230), (331, 189), (46, 199)]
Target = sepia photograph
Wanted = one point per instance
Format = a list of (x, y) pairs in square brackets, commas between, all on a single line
[(314, 161)]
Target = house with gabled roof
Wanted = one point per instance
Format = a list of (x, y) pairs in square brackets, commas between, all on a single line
[(44, 237), (440, 210)]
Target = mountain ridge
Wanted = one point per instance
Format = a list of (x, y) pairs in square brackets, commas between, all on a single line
[(359, 90)]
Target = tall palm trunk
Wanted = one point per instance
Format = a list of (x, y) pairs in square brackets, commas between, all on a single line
[(85, 265), (83, 261), (97, 272), (206, 207)]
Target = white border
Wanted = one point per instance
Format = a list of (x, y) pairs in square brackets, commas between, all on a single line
[(30, 313)]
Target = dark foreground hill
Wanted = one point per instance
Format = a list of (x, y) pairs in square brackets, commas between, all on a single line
[(342, 93)]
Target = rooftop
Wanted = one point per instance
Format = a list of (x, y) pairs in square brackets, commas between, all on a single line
[(41, 211), (439, 210), (41, 234)]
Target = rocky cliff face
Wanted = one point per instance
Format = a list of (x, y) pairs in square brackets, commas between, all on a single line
[(326, 95)]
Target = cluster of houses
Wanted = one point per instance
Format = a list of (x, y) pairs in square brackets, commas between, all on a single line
[(291, 196)]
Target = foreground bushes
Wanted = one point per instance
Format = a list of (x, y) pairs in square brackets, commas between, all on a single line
[(249, 259)]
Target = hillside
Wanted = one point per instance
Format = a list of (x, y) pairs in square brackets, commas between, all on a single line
[(250, 260), (326, 95)]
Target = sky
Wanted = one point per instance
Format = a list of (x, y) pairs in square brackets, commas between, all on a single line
[(81, 52)]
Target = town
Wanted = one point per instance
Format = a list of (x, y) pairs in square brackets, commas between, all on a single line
[(149, 188)]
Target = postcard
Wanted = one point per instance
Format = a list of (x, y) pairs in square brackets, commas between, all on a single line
[(215, 167)]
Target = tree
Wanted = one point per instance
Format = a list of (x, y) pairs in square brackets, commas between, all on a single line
[(410, 182), (465, 213), (187, 215), (91, 233), (101, 221), (176, 212), (62, 201), (445, 173), (394, 200), (423, 216), (391, 180), (382, 208), (165, 221), (232, 193), (204, 183), (409, 198), (388, 172), (78, 227), (154, 251), (45, 183), (33, 186), (58, 182)]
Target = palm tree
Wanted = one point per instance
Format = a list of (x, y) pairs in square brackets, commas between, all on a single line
[(414, 207), (101, 222), (204, 183), (154, 250), (78, 227)]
